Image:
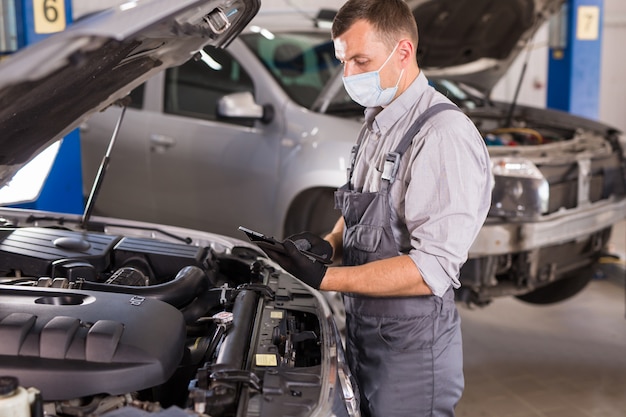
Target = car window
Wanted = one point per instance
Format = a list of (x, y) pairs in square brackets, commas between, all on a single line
[(194, 88), (302, 63)]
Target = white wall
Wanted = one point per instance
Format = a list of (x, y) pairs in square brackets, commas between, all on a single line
[(613, 72), (534, 83), (533, 91)]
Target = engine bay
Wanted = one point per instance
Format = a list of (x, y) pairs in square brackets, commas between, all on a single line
[(97, 322)]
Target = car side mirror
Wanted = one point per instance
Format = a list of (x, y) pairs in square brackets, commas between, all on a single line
[(242, 106)]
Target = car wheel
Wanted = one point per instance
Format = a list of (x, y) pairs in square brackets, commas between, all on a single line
[(560, 290), (313, 211)]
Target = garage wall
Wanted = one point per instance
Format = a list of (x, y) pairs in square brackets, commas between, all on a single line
[(533, 90), (612, 73)]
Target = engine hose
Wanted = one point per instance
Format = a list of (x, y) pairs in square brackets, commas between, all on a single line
[(188, 283), (235, 344), (220, 394), (205, 302)]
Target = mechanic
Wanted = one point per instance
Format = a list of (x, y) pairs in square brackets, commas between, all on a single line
[(419, 190)]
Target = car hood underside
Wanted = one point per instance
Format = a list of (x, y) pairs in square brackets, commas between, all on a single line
[(476, 41), (48, 88)]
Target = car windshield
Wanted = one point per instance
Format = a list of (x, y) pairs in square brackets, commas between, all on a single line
[(302, 63), (460, 94)]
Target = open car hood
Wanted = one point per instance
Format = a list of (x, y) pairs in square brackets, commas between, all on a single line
[(476, 41), (49, 88)]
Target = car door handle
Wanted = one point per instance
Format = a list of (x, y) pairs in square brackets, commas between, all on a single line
[(161, 142)]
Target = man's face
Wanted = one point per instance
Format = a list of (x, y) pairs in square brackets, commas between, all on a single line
[(360, 50)]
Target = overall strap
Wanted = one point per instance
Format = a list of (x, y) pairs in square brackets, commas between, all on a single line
[(353, 153), (392, 160)]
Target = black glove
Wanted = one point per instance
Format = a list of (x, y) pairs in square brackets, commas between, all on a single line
[(313, 243), (300, 265)]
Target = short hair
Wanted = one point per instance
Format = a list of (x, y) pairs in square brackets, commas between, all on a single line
[(392, 19)]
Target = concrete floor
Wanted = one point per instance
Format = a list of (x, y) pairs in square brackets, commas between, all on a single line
[(561, 360)]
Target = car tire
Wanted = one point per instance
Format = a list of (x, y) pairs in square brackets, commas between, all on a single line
[(560, 290), (313, 211)]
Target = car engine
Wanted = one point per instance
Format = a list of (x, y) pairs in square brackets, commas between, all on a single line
[(92, 324)]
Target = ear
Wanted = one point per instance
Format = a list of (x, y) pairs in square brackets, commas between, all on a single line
[(407, 51)]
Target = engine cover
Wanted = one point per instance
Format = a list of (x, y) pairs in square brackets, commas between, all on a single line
[(73, 343)]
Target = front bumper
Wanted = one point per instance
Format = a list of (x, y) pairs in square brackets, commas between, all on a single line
[(560, 227)]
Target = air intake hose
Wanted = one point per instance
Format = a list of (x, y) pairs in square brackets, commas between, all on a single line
[(187, 285)]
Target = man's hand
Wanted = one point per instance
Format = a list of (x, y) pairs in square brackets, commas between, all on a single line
[(312, 243), (303, 267)]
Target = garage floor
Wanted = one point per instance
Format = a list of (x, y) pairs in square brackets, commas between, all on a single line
[(562, 360)]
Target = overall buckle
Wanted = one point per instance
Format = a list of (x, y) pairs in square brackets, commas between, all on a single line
[(392, 161)]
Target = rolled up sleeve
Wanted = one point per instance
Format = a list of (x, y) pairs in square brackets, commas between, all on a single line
[(447, 198)]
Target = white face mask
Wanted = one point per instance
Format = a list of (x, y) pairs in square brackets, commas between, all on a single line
[(365, 88)]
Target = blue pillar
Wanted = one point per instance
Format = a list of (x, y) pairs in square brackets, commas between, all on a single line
[(63, 188), (574, 61)]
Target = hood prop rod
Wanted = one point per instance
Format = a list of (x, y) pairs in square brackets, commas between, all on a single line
[(95, 190), (509, 117)]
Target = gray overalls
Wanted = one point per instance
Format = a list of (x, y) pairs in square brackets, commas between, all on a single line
[(405, 352)]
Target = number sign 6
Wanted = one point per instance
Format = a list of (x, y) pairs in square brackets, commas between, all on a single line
[(49, 15)]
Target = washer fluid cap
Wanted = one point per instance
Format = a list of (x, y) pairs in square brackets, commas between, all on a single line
[(223, 317)]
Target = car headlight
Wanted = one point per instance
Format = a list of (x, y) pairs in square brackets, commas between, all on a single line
[(520, 189)]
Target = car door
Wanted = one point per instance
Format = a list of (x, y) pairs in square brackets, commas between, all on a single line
[(207, 171), (176, 162), (125, 188)]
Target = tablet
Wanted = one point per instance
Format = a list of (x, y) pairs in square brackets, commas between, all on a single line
[(277, 246)]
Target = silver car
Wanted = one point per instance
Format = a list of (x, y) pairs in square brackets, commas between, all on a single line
[(260, 134)]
